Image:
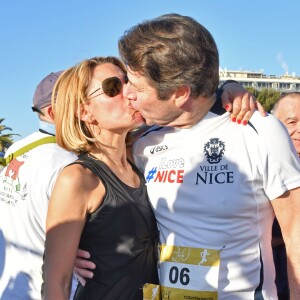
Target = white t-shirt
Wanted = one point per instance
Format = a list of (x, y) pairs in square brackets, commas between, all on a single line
[(210, 187), (25, 188)]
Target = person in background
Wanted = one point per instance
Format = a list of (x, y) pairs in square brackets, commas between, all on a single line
[(26, 183), (214, 186), (287, 110)]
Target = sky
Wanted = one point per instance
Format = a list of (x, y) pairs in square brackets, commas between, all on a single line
[(38, 37)]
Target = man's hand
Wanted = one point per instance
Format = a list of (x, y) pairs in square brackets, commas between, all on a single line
[(240, 103), (83, 266)]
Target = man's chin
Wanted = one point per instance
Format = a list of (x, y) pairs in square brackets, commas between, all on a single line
[(138, 118), (149, 122)]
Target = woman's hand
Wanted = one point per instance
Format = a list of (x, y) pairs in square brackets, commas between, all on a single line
[(241, 103)]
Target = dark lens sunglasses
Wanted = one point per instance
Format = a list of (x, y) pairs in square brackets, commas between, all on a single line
[(111, 86)]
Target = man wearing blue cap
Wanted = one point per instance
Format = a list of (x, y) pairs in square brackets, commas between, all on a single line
[(26, 182)]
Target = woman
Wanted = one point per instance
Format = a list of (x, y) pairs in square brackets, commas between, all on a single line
[(99, 203)]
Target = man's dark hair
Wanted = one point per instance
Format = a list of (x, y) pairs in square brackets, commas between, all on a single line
[(171, 51)]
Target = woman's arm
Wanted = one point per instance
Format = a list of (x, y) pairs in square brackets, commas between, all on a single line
[(71, 200), (237, 100)]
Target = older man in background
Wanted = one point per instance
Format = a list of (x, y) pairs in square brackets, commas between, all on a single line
[(287, 110)]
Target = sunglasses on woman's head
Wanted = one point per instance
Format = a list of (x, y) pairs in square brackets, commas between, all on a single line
[(111, 86)]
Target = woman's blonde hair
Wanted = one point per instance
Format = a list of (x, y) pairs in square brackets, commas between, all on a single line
[(69, 94)]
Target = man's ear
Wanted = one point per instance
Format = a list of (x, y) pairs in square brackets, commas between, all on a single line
[(182, 95), (49, 111)]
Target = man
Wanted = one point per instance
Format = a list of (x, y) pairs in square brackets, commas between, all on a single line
[(213, 184), (287, 110), (26, 183)]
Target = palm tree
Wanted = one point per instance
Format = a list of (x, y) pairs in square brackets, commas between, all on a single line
[(5, 138)]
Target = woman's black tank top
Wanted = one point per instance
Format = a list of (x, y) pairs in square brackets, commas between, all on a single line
[(122, 238)]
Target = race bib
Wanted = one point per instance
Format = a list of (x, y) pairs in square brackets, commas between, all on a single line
[(189, 273), (151, 292)]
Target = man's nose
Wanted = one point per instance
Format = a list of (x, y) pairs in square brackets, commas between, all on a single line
[(129, 92)]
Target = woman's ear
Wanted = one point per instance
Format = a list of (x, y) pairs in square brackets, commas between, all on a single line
[(182, 95), (86, 115)]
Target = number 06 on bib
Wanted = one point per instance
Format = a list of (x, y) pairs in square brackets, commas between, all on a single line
[(189, 273)]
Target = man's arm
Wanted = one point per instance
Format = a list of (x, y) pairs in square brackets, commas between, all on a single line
[(287, 211)]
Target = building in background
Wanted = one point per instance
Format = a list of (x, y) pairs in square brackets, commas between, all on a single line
[(259, 81)]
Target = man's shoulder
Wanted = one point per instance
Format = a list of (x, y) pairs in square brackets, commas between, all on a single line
[(45, 152), (268, 128), (52, 153), (264, 122), (23, 142), (273, 136), (154, 132)]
